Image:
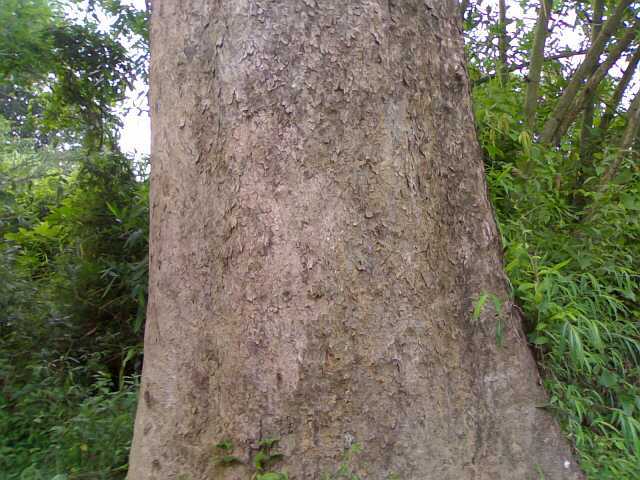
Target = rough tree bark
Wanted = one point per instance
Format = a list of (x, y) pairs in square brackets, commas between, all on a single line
[(320, 232)]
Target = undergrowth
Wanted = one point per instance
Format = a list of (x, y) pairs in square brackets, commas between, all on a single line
[(58, 429), (572, 257), (73, 285)]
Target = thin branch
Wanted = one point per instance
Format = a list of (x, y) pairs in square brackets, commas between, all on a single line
[(586, 67), (503, 42), (586, 134), (581, 99), (629, 135), (618, 93), (520, 66)]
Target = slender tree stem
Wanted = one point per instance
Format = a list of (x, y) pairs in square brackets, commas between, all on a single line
[(618, 93), (626, 142), (536, 61), (520, 66), (582, 98), (503, 43), (586, 131), (549, 132)]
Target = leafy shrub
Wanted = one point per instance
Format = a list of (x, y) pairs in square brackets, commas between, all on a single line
[(574, 270), (73, 275), (51, 426)]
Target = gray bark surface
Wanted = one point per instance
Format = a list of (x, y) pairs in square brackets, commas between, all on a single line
[(320, 230)]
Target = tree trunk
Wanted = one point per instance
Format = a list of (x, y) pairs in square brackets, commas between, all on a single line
[(320, 233)]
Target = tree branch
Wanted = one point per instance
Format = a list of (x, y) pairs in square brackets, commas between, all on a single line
[(503, 42), (618, 93), (626, 142), (536, 61), (586, 134), (582, 97), (520, 66), (549, 132)]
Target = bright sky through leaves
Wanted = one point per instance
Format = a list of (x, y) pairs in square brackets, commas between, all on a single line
[(135, 136)]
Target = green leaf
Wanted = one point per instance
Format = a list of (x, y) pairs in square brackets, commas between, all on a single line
[(272, 476), (478, 305), (540, 340), (226, 445), (607, 379), (229, 460), (631, 202), (268, 442), (260, 460)]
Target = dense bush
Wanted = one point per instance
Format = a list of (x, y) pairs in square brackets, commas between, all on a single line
[(73, 280), (54, 426), (73, 238), (573, 259)]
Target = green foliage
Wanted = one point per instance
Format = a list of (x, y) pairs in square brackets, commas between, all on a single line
[(345, 470), (73, 280), (83, 248), (92, 73), (224, 452), (25, 40), (53, 425), (265, 457), (60, 80), (575, 273), (499, 311), (261, 462), (73, 244)]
